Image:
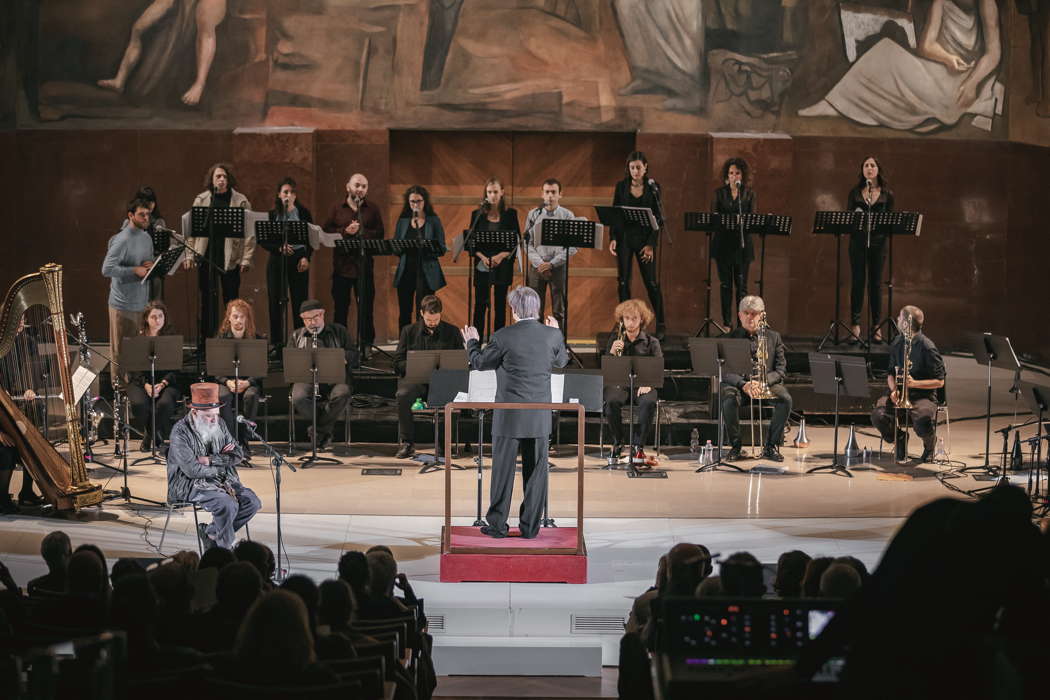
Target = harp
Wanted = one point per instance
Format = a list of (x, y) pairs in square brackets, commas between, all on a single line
[(63, 483)]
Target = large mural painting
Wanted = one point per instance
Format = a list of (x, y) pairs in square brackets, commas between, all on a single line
[(796, 66)]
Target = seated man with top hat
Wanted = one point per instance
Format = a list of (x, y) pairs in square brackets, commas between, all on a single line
[(202, 469)]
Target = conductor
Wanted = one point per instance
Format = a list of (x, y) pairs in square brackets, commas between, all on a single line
[(522, 355)]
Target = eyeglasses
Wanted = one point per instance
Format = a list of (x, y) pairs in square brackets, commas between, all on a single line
[(415, 201)]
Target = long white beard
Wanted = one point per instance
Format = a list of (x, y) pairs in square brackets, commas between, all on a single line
[(210, 433)]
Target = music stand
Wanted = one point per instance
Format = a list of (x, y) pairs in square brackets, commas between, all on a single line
[(274, 236), (704, 222), (893, 224), (713, 357), (632, 370), (1037, 397), (830, 373), (570, 233), (363, 249), (314, 366), (584, 387), (991, 351), (490, 243), (236, 357), (421, 367), (165, 264), (215, 224), (150, 353), (837, 224)]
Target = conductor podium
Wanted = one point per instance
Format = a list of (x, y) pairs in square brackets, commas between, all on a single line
[(555, 555)]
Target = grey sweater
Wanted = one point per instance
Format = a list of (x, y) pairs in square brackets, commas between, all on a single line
[(126, 251)]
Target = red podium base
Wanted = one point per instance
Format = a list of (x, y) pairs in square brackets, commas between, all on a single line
[(549, 558)]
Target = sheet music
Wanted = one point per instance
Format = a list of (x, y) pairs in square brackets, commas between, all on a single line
[(250, 217), (82, 378), (319, 237), (482, 387)]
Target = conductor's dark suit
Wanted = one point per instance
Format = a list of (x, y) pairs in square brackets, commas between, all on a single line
[(522, 355)]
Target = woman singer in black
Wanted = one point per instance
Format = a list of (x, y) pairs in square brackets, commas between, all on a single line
[(867, 253), (733, 252)]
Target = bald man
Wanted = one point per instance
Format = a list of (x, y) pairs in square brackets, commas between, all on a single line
[(355, 217)]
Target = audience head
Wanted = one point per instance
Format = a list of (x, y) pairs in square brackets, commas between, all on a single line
[(380, 548), (306, 589), (353, 568), (56, 549), (174, 587), (237, 587), (258, 555), (188, 558), (741, 575), (811, 579), (661, 574), (217, 558), (687, 565), (840, 580), (86, 574), (133, 605), (791, 567), (275, 635), (710, 587), (382, 570), (336, 606), (857, 565), (125, 567)]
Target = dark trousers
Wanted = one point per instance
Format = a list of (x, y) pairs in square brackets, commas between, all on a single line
[(167, 402), (731, 275), (247, 406), (298, 284), (483, 282), (407, 307), (364, 290), (329, 410), (624, 270), (8, 459), (865, 264), (405, 397), (228, 513), (731, 400), (557, 283), (644, 408), (230, 284), (533, 452), (922, 415)]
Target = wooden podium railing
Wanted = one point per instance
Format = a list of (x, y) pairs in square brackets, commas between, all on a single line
[(485, 406)]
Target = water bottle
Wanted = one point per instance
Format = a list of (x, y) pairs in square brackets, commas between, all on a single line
[(708, 455), (694, 441), (419, 405), (865, 456)]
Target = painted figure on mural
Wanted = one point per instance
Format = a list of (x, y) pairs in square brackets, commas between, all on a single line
[(202, 15), (1038, 13), (951, 74)]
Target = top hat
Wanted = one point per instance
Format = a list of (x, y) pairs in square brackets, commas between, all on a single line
[(204, 395)]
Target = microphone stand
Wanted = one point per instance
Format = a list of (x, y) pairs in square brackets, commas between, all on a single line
[(658, 253), (276, 460), (468, 245)]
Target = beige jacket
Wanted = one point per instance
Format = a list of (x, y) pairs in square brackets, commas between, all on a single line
[(238, 251)]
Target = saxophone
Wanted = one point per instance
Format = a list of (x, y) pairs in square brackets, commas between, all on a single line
[(761, 361), (621, 334)]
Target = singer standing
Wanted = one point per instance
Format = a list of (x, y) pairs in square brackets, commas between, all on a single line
[(638, 189), (548, 263), (418, 274), (232, 256), (495, 269), (295, 259), (156, 224), (522, 355), (867, 253), (733, 252), (354, 217)]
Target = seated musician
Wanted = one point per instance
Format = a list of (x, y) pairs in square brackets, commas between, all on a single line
[(239, 323), (926, 377), (629, 338), (428, 333), (736, 388), (202, 469), (8, 458), (139, 390), (333, 397)]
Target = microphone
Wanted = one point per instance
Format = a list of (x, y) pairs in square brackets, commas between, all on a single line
[(163, 229), (870, 184), (244, 421), (652, 184), (736, 184)]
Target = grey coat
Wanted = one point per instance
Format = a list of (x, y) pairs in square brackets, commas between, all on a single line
[(183, 470), (522, 355)]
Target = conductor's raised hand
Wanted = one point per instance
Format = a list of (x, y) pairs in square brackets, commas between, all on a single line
[(469, 333), (551, 322)]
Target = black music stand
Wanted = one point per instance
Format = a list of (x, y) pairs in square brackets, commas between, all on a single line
[(274, 236), (1037, 397), (584, 387), (420, 368), (830, 373), (149, 353), (445, 386), (165, 264), (703, 221), (632, 371), (236, 357), (713, 357), (214, 224), (837, 224), (490, 243), (769, 225), (364, 249), (991, 351), (570, 233), (893, 223), (314, 366)]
